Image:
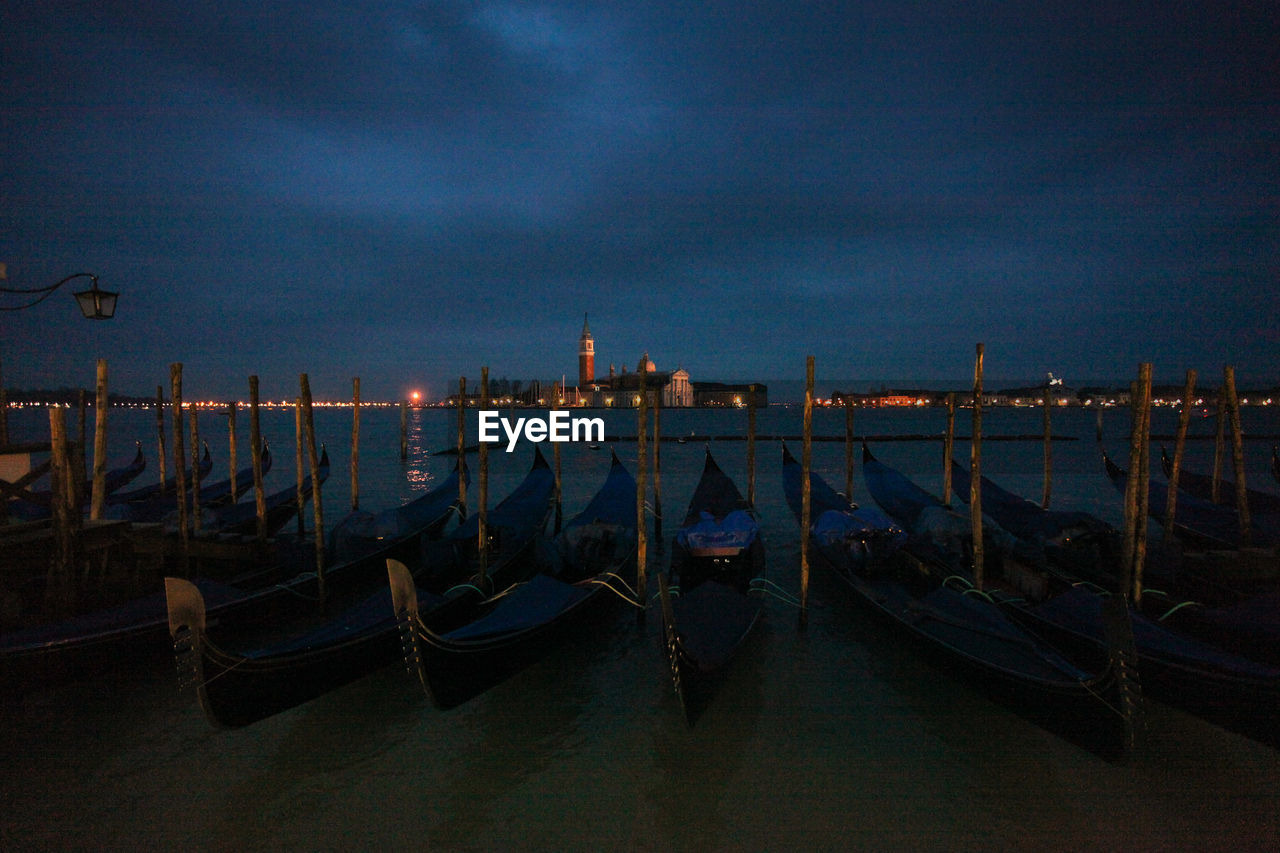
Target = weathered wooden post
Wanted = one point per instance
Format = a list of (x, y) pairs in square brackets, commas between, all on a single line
[(751, 446), (848, 449), (1143, 484), (195, 469), (4, 411), (483, 529), (1048, 450), (1237, 457), (1219, 442), (948, 447), (1136, 494), (355, 444), (1179, 447), (642, 535), (297, 462), (975, 472), (60, 582), (555, 452), (180, 462), (233, 456), (404, 430), (462, 446), (806, 465), (317, 504), (80, 460), (657, 469), (255, 450), (161, 456), (98, 502)]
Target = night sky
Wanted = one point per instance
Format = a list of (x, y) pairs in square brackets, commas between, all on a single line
[(405, 191)]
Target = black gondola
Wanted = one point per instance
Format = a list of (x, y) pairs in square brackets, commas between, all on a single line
[(1264, 507), (1205, 678), (593, 563), (110, 636), (928, 593), (1199, 523), (37, 505), (237, 688), (707, 612)]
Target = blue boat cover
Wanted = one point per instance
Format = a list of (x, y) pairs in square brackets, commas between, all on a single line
[(736, 530)]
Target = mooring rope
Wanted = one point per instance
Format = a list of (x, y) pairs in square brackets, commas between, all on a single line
[(766, 586)]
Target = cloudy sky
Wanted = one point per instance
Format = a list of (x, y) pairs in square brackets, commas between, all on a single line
[(405, 191)]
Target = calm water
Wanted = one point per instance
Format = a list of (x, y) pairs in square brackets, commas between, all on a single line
[(833, 738)]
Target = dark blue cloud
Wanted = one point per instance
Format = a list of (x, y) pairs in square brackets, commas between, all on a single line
[(406, 190)]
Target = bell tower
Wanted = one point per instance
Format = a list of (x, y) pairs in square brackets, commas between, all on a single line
[(586, 356)]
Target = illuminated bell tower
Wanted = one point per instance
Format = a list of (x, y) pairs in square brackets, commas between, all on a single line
[(586, 356)]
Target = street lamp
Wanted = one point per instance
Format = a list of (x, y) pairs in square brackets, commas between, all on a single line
[(95, 304)]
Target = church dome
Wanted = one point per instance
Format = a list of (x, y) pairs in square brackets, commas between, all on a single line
[(646, 364)]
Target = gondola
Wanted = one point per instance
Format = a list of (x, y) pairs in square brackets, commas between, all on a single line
[(36, 505), (163, 507), (593, 561), (1264, 507), (1175, 662), (1197, 522), (146, 493), (242, 518), (707, 612), (927, 592), (111, 636), (849, 538), (237, 688)]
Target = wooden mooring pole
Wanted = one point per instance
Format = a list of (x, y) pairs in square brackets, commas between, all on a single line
[(806, 465), (180, 462), (98, 502), (255, 450), (233, 456), (948, 447), (555, 452), (161, 456), (848, 449), (483, 529), (297, 463), (79, 449), (195, 469), (1048, 449), (975, 472), (317, 503), (462, 446), (1179, 448), (404, 430), (355, 444), (60, 581), (1137, 490), (751, 446), (657, 469), (1237, 456), (4, 411), (1215, 493), (642, 534)]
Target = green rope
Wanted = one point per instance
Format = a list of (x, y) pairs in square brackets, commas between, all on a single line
[(768, 587), (1176, 608)]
